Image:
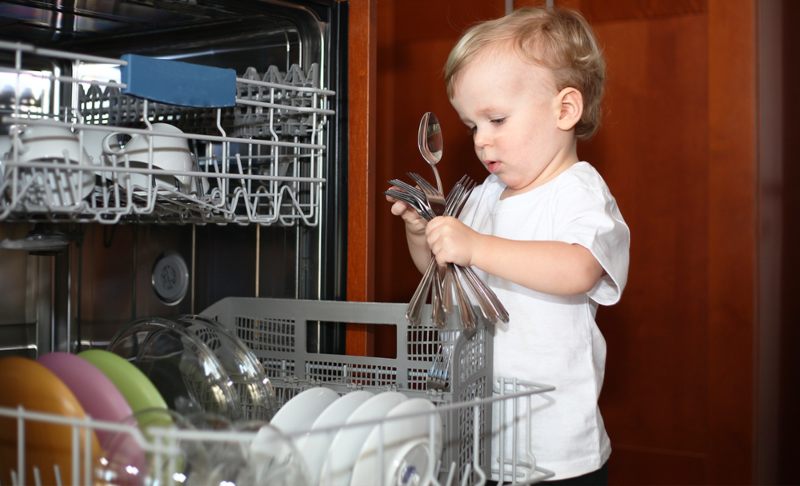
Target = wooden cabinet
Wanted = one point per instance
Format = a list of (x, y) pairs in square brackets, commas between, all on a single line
[(699, 382)]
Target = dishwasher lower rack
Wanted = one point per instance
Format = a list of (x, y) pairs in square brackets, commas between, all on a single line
[(168, 455), (77, 145), (276, 331)]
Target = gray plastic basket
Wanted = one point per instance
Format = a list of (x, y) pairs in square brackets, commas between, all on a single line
[(275, 329)]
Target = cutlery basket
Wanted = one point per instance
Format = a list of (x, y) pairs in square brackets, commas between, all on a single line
[(275, 330)]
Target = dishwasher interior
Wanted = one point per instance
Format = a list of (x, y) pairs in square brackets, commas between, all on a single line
[(251, 206)]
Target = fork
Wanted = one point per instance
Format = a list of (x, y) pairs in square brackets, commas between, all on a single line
[(419, 204), (491, 307), (405, 186), (435, 198), (439, 207), (438, 204)]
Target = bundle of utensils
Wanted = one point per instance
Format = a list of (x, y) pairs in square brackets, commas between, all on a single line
[(451, 287)]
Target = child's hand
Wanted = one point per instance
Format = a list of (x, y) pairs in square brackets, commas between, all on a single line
[(415, 224), (451, 241)]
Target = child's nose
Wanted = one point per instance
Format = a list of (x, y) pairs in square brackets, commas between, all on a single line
[(480, 139)]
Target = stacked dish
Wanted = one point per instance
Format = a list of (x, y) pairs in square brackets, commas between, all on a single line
[(116, 409), (157, 373), (95, 387), (359, 438)]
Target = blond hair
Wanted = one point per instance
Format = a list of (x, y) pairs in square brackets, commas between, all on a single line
[(558, 39)]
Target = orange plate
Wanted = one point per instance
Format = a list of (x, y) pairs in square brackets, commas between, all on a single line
[(31, 385)]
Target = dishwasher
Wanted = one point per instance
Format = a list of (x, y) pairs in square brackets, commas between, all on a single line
[(168, 158)]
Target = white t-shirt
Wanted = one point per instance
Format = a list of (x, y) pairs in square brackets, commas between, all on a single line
[(551, 339)]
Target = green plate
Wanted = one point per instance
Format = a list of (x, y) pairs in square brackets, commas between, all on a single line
[(138, 390)]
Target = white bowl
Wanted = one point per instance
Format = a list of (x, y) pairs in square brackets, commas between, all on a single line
[(58, 184), (44, 142)]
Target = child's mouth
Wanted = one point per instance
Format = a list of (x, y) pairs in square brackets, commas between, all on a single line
[(492, 165)]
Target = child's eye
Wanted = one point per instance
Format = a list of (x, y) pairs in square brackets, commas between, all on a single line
[(498, 121)]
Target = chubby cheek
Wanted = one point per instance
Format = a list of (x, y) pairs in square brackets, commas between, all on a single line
[(512, 174)]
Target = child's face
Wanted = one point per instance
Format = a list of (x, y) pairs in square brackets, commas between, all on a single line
[(512, 108)]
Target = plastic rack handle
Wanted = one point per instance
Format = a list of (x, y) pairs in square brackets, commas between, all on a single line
[(178, 83)]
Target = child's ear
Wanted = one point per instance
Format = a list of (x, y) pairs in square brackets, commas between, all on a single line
[(571, 108)]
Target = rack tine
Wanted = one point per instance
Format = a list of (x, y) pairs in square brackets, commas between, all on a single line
[(467, 473), (451, 474)]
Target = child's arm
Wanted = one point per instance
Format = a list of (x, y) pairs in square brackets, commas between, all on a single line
[(415, 233), (552, 267)]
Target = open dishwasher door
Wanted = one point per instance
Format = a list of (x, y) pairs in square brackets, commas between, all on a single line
[(89, 242)]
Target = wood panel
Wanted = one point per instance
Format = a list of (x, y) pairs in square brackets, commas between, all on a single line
[(678, 149), (361, 73), (732, 238), (652, 152)]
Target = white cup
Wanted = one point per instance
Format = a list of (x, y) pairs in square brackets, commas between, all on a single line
[(58, 146), (169, 153)]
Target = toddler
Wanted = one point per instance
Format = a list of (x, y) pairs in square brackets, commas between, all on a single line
[(543, 230)]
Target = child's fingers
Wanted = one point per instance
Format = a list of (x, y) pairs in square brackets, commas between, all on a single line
[(398, 207), (448, 241)]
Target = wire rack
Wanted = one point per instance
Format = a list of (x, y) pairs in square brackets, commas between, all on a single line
[(260, 160), (165, 447)]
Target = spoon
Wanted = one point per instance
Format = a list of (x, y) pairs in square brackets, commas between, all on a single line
[(430, 143)]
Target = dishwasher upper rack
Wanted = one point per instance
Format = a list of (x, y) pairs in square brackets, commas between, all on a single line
[(261, 161)]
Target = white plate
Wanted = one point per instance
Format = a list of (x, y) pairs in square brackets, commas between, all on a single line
[(314, 445), (343, 453), (405, 446), (299, 413)]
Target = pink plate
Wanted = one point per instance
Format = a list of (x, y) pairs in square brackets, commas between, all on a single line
[(99, 398)]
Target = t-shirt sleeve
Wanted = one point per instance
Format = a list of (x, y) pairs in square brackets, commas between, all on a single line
[(589, 216)]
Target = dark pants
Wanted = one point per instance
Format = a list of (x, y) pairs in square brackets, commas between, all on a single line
[(594, 478)]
